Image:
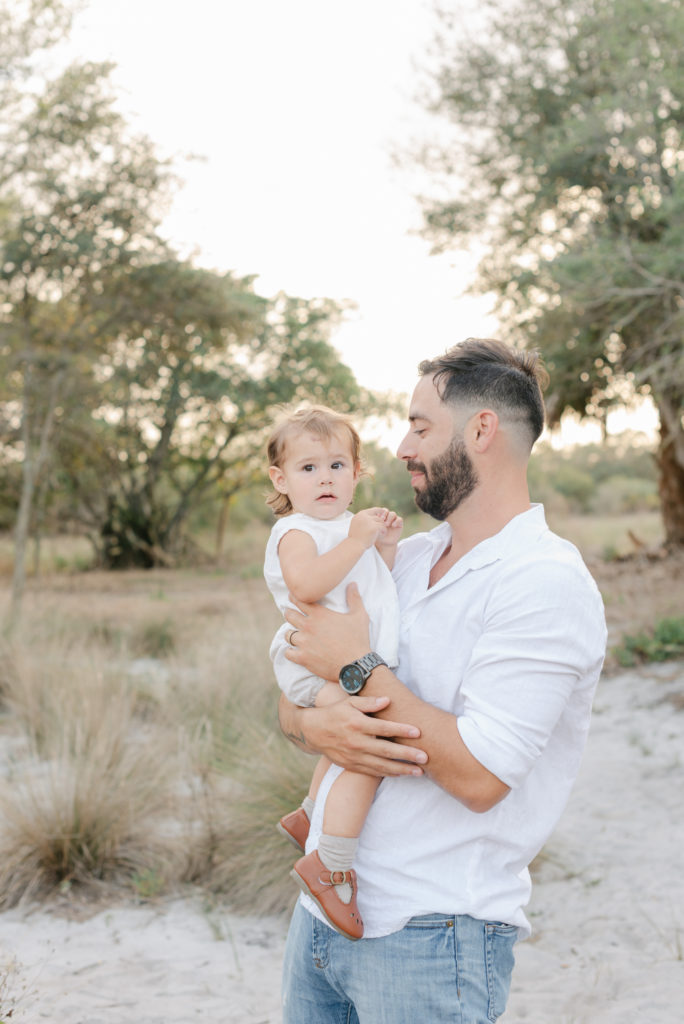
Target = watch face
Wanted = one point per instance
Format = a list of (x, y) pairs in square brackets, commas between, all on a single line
[(352, 678)]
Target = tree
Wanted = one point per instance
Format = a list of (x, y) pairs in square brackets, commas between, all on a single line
[(80, 199), (566, 168), (186, 395)]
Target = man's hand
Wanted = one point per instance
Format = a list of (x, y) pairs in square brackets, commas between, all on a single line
[(347, 734), (327, 640)]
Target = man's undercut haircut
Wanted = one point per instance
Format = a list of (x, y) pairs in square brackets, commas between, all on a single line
[(321, 422), (485, 371)]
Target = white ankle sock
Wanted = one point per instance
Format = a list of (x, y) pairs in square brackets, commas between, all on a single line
[(337, 854)]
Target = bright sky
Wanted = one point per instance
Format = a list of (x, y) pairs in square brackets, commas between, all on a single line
[(295, 107)]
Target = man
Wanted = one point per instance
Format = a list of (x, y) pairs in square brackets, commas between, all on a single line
[(479, 733)]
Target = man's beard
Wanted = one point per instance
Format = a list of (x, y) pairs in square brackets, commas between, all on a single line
[(450, 480)]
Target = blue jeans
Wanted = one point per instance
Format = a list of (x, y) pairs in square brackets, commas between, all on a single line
[(435, 970)]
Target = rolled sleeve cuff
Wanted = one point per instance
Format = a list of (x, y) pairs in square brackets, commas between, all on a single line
[(492, 748)]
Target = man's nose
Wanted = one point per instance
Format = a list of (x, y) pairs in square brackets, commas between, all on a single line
[(405, 449)]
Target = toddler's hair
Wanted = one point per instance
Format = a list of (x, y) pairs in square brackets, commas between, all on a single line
[(318, 420)]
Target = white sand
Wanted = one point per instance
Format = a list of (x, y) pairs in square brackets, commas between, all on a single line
[(607, 909)]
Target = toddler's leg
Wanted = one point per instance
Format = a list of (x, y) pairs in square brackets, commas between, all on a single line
[(348, 803), (295, 825), (326, 874)]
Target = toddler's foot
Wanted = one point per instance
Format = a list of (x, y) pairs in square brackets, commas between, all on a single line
[(321, 885), (295, 827)]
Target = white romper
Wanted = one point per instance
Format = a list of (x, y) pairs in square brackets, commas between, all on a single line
[(375, 584)]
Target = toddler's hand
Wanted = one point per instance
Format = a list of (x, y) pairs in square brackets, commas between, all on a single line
[(367, 525), (392, 527)]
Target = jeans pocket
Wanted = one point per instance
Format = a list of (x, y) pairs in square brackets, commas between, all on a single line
[(499, 942)]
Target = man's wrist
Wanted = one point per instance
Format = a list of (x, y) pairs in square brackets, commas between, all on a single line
[(354, 675)]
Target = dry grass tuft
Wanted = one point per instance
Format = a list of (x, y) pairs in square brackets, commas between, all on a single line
[(252, 860), (86, 806)]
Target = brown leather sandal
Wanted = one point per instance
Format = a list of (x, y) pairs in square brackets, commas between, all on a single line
[(316, 881), (295, 827)]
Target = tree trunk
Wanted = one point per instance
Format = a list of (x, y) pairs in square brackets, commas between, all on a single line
[(35, 462), (222, 524), (21, 531), (671, 470)]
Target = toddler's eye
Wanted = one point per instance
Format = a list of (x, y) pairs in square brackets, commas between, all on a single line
[(308, 468), (337, 465)]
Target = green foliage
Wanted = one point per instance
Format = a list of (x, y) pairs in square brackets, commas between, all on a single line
[(665, 642), (134, 383), (387, 483), (619, 493), (569, 176), (617, 477)]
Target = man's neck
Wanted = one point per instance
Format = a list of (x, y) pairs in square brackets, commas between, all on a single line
[(480, 516)]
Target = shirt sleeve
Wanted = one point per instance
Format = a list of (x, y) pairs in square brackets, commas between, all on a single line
[(534, 667)]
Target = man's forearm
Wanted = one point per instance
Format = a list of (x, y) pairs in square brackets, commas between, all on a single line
[(449, 762), (327, 640), (350, 735), (291, 725)]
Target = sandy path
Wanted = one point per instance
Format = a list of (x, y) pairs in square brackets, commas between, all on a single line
[(607, 910)]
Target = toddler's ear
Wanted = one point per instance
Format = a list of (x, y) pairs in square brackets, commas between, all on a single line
[(277, 478)]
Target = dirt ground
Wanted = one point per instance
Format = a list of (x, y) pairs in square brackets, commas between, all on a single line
[(639, 591)]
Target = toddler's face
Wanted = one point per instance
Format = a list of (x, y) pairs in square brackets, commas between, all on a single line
[(317, 474)]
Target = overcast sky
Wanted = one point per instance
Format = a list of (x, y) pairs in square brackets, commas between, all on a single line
[(296, 107)]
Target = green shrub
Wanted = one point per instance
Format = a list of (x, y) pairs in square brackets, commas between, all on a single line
[(665, 642), (619, 494)]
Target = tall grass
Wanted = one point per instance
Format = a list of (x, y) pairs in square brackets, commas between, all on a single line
[(80, 798), (139, 745)]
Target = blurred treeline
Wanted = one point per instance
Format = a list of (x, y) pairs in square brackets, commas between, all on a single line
[(610, 479), (135, 386)]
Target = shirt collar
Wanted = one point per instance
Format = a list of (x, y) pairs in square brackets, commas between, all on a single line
[(523, 529)]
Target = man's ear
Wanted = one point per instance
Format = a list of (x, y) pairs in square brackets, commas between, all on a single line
[(277, 479), (483, 429)]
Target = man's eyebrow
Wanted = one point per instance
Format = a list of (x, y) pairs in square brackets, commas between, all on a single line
[(418, 416)]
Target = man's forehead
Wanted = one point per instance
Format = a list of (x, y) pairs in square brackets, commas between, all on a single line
[(427, 404), (425, 401)]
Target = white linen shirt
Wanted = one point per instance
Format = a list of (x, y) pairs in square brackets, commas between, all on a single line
[(511, 640)]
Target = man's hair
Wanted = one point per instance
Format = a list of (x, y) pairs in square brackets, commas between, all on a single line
[(484, 370), (319, 420)]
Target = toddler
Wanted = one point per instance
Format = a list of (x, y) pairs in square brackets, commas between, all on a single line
[(316, 548)]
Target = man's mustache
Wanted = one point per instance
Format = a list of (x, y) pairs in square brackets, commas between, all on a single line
[(416, 467)]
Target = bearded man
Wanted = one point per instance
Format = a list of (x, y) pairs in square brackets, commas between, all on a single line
[(479, 732)]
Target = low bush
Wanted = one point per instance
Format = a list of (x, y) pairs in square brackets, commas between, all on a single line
[(664, 642)]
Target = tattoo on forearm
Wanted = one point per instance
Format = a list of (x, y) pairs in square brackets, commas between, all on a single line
[(299, 739)]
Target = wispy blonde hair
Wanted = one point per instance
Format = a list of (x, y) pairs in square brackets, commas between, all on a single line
[(318, 420)]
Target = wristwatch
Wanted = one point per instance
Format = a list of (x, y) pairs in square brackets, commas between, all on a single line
[(353, 676)]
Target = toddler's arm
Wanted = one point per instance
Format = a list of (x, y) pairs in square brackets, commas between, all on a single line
[(389, 536), (310, 576)]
